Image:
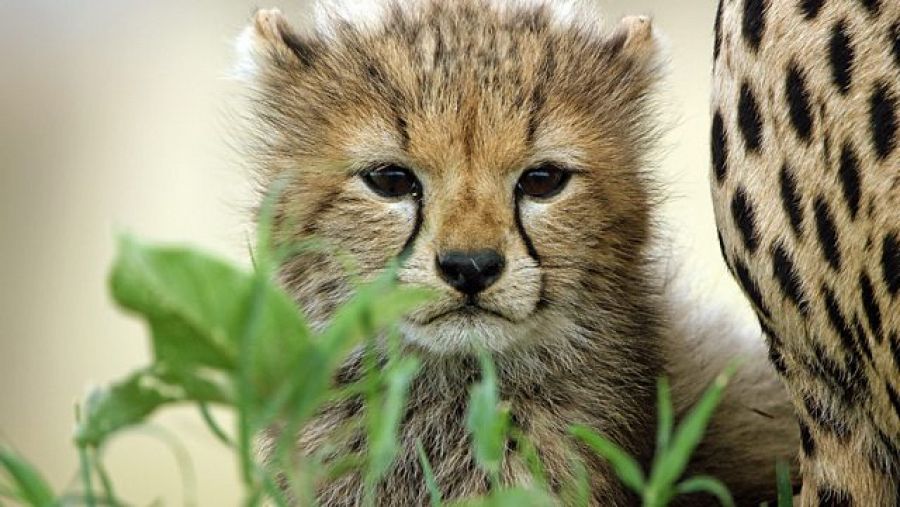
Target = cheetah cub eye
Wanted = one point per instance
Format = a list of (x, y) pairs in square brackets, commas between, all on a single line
[(544, 181), (392, 181)]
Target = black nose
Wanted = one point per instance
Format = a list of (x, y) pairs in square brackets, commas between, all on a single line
[(470, 272)]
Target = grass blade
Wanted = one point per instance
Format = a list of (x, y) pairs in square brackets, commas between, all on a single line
[(529, 453), (383, 433), (31, 486), (705, 484), (665, 415), (434, 492), (486, 421), (625, 467), (672, 463), (785, 489)]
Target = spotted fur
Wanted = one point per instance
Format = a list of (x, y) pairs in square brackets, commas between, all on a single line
[(469, 94), (806, 184)]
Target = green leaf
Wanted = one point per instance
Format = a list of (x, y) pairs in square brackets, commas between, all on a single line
[(197, 305), (626, 468), (706, 484), (132, 400), (689, 433), (434, 492), (30, 485), (383, 430), (486, 421), (124, 404), (785, 489), (188, 299)]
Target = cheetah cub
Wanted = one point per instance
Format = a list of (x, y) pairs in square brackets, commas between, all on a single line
[(501, 150)]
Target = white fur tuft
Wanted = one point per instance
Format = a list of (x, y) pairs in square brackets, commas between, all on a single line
[(246, 46), (369, 15)]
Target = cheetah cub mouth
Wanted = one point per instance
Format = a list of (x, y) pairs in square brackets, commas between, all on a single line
[(499, 151)]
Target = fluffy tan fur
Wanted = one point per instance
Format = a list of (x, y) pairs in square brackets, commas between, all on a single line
[(469, 94), (807, 193)]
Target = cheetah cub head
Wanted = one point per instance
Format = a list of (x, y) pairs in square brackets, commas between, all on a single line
[(495, 147)]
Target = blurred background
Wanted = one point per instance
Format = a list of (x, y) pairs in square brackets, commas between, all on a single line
[(113, 116)]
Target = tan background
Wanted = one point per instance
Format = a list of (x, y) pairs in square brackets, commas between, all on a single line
[(112, 117)]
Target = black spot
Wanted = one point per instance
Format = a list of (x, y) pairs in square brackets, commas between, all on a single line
[(784, 270), (871, 5), (790, 199), (883, 120), (754, 22), (890, 262), (839, 323), (750, 287), (856, 384), (870, 304), (745, 218), (798, 101), (719, 145), (893, 397), (811, 8), (895, 348), (829, 497), (717, 45), (827, 233), (775, 344), (849, 173), (749, 119), (862, 338), (777, 360), (842, 55), (826, 369), (806, 440), (882, 449), (824, 418)]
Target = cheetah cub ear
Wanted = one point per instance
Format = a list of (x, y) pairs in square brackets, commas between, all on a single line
[(636, 38), (268, 45)]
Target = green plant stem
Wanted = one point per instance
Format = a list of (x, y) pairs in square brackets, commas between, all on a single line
[(373, 402), (245, 384), (214, 426), (275, 493), (85, 463), (106, 483)]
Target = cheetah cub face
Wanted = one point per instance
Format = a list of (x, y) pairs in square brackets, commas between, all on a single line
[(496, 149)]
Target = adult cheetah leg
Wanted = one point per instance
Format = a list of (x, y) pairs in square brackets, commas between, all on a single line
[(806, 190), (836, 472)]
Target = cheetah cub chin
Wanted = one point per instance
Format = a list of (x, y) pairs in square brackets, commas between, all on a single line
[(500, 148)]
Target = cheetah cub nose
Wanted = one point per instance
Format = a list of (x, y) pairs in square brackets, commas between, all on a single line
[(470, 272)]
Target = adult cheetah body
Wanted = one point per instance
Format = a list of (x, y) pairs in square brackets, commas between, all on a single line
[(806, 186)]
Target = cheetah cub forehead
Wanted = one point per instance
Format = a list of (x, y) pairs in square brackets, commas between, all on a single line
[(497, 147)]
